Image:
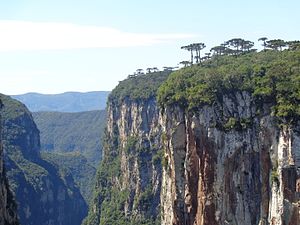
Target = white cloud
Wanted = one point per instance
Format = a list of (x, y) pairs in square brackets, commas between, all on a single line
[(24, 35)]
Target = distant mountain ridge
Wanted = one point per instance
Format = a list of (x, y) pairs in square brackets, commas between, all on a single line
[(64, 102)]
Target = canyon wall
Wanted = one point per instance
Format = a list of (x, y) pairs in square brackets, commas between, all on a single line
[(128, 182), (229, 164), (43, 194), (8, 208)]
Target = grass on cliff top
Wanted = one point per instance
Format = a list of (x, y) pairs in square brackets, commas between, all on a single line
[(270, 76), (139, 87)]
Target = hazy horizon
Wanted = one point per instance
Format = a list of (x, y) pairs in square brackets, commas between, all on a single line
[(56, 93)]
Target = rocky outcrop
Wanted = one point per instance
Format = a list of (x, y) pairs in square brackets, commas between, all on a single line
[(228, 137), (44, 196), (136, 124), (230, 163), (128, 181), (133, 139), (8, 209)]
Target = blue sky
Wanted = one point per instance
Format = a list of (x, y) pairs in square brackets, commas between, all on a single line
[(57, 46)]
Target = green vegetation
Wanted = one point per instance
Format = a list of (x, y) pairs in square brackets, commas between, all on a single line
[(275, 174), (231, 124), (109, 197), (139, 87), (197, 47), (237, 124), (38, 186), (275, 177), (156, 158), (112, 210), (75, 165), (271, 76), (131, 144), (72, 132)]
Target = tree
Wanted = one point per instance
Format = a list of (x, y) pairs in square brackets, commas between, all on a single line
[(155, 69), (247, 46), (236, 43), (264, 44), (276, 44), (185, 63), (149, 70), (293, 45), (198, 47), (218, 50), (189, 48), (169, 68), (139, 71), (229, 51), (238, 46), (207, 54)]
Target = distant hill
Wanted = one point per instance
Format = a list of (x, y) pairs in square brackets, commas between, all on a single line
[(72, 132), (65, 102)]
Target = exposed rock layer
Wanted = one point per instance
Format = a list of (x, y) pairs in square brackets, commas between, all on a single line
[(227, 164), (138, 120), (129, 178)]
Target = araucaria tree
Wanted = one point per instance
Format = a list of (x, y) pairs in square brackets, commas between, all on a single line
[(189, 48), (276, 44), (218, 50), (264, 44), (185, 63), (198, 47)]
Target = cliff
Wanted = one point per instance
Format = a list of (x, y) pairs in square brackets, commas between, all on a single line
[(224, 138), (128, 181), (44, 196), (8, 208), (246, 175), (232, 138)]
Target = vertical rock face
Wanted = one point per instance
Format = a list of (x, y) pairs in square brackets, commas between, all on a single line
[(225, 164), (8, 209), (136, 124), (128, 181), (43, 195), (134, 135)]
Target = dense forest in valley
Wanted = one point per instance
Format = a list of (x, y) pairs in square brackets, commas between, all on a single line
[(79, 132)]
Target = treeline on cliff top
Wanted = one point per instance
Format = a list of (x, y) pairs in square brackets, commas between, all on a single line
[(271, 75)]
